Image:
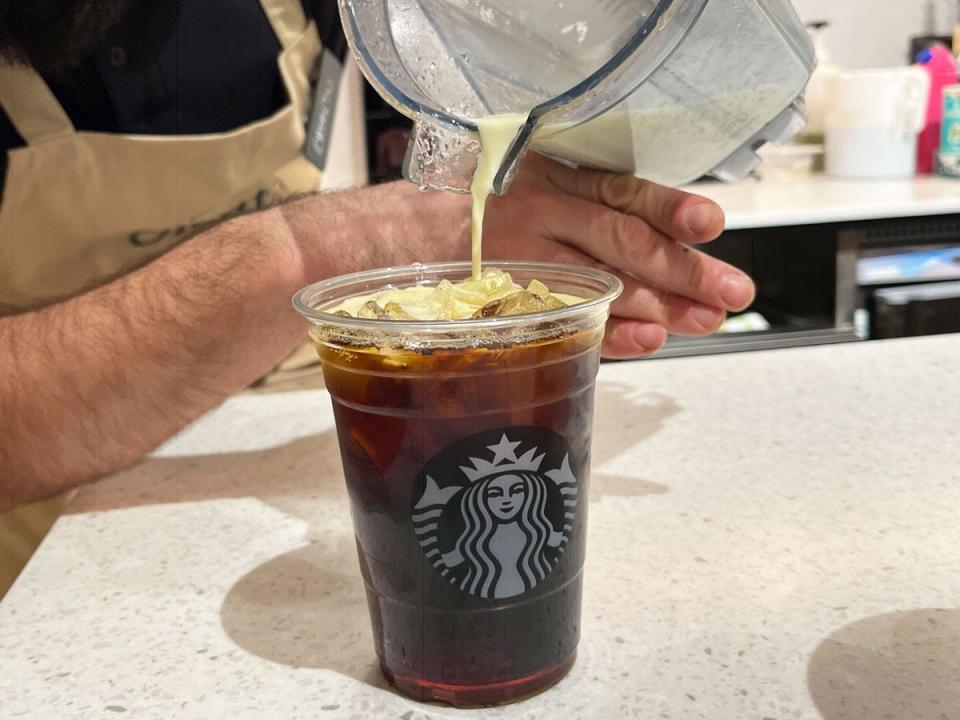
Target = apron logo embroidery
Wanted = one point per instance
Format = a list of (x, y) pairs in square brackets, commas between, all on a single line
[(146, 238), (493, 513)]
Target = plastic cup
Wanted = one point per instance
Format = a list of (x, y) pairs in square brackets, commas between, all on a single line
[(466, 452)]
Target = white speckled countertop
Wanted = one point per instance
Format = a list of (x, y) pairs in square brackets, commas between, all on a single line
[(773, 536), (820, 199)]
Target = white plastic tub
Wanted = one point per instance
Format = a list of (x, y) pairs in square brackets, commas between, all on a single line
[(873, 122)]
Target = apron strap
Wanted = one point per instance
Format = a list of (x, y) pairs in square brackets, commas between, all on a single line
[(31, 106), (287, 19)]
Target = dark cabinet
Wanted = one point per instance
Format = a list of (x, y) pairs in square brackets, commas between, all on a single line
[(819, 284)]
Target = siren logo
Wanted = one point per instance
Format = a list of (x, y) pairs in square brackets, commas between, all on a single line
[(494, 512)]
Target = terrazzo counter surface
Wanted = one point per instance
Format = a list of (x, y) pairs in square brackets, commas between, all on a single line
[(772, 536)]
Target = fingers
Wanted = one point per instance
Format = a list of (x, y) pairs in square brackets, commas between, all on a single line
[(628, 339), (679, 215), (632, 245), (640, 301), (679, 315)]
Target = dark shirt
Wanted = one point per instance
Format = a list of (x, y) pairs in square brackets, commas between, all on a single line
[(178, 67)]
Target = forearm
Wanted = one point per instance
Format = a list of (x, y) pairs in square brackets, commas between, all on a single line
[(382, 226), (90, 385)]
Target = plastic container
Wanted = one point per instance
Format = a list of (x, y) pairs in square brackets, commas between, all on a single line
[(873, 123), (465, 448), (941, 66), (789, 162), (675, 88), (949, 156)]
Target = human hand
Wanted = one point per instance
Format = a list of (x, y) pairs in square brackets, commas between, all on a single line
[(640, 231)]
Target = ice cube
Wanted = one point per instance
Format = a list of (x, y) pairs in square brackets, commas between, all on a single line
[(539, 289), (445, 300), (396, 312), (518, 303), (550, 301), (372, 311)]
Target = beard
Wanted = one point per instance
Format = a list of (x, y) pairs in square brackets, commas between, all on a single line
[(51, 35)]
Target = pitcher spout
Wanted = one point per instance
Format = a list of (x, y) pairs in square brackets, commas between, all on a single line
[(444, 156)]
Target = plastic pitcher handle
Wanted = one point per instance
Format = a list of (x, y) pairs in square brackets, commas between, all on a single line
[(914, 97)]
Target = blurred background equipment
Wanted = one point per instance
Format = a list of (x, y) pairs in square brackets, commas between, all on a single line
[(914, 310), (388, 132)]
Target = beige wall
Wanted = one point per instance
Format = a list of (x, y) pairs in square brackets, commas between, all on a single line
[(876, 33)]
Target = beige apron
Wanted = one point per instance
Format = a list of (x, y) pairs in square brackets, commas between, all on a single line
[(81, 208)]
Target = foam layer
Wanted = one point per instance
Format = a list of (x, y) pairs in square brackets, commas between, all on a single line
[(494, 293)]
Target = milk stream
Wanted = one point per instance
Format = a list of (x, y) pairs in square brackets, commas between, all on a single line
[(460, 300), (604, 138), (497, 133)]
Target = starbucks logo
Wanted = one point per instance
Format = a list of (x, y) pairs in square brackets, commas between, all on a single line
[(493, 512)]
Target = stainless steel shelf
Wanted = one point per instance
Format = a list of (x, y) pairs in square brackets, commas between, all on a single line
[(743, 342)]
